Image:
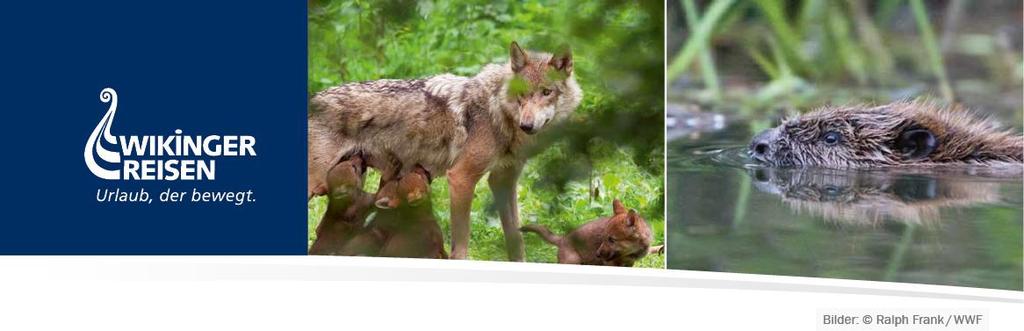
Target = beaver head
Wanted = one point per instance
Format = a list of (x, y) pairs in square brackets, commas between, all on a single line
[(902, 133)]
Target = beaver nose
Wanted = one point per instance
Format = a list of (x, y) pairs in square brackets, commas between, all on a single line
[(759, 146)]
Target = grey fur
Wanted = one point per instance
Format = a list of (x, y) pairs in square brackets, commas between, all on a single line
[(419, 121)]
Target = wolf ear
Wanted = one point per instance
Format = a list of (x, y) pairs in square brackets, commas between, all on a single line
[(631, 218), (562, 61), (916, 144), (618, 208), (517, 57)]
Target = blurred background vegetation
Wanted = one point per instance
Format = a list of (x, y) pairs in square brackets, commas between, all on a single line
[(611, 148), (736, 67), (762, 55)]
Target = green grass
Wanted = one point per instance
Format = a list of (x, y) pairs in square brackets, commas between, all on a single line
[(559, 211), (611, 148)]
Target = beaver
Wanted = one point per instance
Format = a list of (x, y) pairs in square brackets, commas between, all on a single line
[(904, 133)]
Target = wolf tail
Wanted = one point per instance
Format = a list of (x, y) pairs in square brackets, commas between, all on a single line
[(543, 232)]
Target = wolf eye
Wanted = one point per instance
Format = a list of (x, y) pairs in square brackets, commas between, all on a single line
[(831, 138), (546, 92), (611, 240)]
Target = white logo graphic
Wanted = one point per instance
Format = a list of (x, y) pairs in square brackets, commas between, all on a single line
[(155, 157), (107, 95)]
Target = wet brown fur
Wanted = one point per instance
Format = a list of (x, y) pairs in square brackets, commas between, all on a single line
[(876, 137), (619, 240)]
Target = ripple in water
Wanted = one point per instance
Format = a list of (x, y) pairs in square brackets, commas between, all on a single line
[(732, 156)]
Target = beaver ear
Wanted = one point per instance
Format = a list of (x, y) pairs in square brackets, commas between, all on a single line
[(916, 144), (617, 207), (517, 57)]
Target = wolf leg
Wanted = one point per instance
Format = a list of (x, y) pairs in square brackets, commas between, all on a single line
[(462, 179), (503, 183)]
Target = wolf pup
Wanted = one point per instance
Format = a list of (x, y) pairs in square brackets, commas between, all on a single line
[(458, 127), (403, 189), (347, 208), (410, 229), (619, 240), (907, 133)]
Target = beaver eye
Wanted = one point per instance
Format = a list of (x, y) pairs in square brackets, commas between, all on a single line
[(831, 138), (546, 92), (611, 240)]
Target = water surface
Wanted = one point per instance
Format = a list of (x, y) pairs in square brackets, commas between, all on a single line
[(958, 226)]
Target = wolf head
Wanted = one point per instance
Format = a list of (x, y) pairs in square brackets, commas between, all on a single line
[(346, 177), (628, 237), (543, 88), (412, 189)]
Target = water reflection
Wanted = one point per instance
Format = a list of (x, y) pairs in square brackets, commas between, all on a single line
[(938, 226), (867, 197)]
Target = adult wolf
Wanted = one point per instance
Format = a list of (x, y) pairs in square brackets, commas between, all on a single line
[(460, 127)]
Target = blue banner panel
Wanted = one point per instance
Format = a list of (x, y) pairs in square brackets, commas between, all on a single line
[(153, 128)]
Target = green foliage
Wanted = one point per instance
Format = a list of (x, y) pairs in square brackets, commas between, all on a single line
[(611, 148), (707, 62), (799, 54), (701, 32)]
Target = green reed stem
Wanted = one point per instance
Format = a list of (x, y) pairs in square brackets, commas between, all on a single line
[(698, 38), (790, 38), (932, 47), (707, 62), (742, 198), (896, 260)]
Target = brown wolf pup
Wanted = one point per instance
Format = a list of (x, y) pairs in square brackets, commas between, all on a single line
[(458, 127), (392, 193), (408, 229), (347, 208), (619, 240)]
